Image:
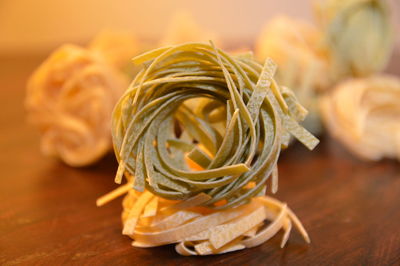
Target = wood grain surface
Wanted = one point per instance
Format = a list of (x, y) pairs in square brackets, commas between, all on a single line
[(48, 215)]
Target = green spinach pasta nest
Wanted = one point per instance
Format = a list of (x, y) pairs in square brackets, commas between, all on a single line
[(359, 34), (194, 104)]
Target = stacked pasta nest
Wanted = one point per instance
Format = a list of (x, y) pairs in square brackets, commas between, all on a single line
[(197, 136)]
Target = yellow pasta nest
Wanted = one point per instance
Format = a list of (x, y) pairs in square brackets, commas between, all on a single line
[(296, 46), (70, 98), (364, 115), (153, 221)]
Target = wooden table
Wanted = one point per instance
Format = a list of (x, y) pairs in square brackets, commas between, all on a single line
[(48, 213)]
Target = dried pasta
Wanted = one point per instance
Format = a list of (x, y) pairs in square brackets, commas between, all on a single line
[(197, 136), (257, 116), (358, 33), (200, 231), (70, 98), (364, 114)]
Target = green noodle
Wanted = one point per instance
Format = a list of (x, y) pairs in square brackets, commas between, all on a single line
[(359, 33), (257, 117)]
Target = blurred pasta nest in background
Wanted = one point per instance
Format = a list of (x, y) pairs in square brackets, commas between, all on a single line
[(117, 48), (70, 98), (352, 38), (184, 28), (358, 33), (296, 47), (364, 115)]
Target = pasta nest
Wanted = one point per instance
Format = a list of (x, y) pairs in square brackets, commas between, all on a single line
[(153, 221), (364, 115), (232, 133), (296, 46), (70, 98), (358, 33)]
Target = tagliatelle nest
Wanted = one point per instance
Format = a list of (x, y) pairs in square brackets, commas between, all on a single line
[(197, 136), (364, 114), (234, 136), (70, 98), (152, 221), (358, 33)]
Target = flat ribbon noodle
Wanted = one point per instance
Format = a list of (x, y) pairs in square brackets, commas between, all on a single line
[(228, 153)]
